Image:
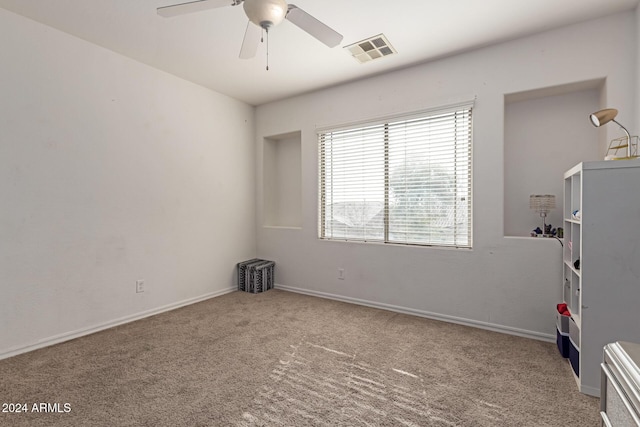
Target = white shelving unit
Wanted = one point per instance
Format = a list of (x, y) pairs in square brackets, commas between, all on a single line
[(603, 291)]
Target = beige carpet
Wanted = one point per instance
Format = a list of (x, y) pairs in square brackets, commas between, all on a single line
[(285, 359)]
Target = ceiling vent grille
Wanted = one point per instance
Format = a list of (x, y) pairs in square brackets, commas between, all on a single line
[(372, 48)]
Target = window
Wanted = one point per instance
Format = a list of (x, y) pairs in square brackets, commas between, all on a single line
[(406, 180)]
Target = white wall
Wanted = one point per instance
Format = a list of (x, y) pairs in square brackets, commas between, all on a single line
[(510, 284), (111, 171), (544, 137), (636, 129)]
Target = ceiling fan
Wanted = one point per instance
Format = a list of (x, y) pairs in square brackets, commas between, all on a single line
[(262, 14)]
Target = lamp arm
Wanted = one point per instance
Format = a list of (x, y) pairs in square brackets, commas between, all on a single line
[(628, 137)]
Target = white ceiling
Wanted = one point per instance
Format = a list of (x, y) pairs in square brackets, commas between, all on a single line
[(203, 47)]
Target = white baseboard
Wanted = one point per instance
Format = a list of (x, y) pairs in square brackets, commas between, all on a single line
[(591, 391), (56, 339), (427, 314)]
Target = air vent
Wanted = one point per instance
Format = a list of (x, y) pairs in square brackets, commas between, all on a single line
[(372, 48)]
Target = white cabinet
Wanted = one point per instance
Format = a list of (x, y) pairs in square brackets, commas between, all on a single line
[(620, 394), (601, 262)]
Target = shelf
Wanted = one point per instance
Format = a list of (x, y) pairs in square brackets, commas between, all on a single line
[(600, 289), (576, 318), (572, 268), (281, 227)]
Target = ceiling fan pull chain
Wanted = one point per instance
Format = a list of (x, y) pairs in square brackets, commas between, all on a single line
[(267, 49)]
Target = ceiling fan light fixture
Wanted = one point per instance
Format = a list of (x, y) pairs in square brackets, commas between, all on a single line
[(265, 13), (262, 14)]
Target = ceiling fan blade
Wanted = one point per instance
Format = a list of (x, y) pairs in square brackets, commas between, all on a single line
[(193, 6), (314, 27), (251, 41)]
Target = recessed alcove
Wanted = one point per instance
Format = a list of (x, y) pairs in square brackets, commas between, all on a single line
[(546, 132), (282, 180)]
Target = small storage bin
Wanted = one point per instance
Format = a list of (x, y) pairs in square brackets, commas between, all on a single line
[(574, 357), (562, 340), (574, 346), (256, 275), (562, 331), (562, 323), (574, 333)]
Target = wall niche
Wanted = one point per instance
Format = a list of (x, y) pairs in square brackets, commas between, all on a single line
[(546, 132), (282, 180)]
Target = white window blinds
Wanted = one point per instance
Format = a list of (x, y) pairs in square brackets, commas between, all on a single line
[(406, 180)]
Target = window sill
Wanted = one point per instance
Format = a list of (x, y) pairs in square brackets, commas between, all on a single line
[(281, 227)]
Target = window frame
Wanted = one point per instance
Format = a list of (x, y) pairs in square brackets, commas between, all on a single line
[(385, 121)]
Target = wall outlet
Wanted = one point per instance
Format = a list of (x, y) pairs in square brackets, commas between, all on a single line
[(341, 273), (139, 286)]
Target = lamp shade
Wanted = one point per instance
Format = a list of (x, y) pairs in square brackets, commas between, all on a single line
[(265, 13), (603, 116), (542, 203)]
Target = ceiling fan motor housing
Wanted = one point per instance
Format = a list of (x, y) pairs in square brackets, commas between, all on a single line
[(265, 13)]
